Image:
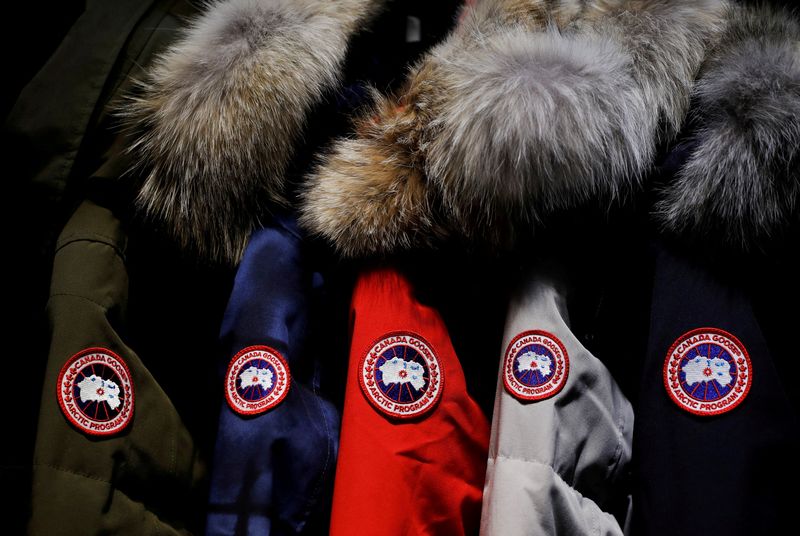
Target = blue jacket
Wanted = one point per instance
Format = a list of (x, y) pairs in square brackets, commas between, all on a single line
[(273, 465)]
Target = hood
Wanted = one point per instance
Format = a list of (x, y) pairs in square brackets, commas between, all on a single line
[(528, 108), (217, 117), (740, 184)]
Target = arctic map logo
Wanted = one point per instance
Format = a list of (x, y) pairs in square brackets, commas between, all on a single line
[(401, 375), (257, 380), (536, 366), (707, 372), (95, 392)]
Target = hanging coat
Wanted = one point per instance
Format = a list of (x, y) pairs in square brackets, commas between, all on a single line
[(717, 421), (276, 445), (562, 429), (112, 453), (413, 444)]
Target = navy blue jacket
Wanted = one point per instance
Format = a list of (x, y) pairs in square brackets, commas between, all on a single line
[(717, 423), (273, 468)]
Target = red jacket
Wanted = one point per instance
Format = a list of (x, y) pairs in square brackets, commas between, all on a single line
[(414, 444)]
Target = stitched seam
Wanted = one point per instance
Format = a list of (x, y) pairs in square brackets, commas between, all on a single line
[(526, 460), (86, 235), (595, 517), (103, 307), (596, 520), (618, 450), (320, 482), (72, 472), (159, 522), (119, 259), (110, 243), (560, 478), (318, 487)]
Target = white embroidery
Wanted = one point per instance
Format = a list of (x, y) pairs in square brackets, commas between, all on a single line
[(96, 389), (533, 361), (400, 371), (253, 376), (703, 369)]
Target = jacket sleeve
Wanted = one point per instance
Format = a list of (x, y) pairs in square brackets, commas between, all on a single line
[(562, 429), (277, 438), (101, 465)]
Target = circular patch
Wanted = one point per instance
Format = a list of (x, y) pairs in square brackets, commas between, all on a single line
[(95, 391), (401, 375), (707, 372), (257, 380), (536, 365)]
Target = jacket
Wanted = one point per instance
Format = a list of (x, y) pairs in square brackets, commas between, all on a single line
[(717, 401), (112, 453), (112, 450), (413, 440), (52, 144), (562, 428), (278, 436)]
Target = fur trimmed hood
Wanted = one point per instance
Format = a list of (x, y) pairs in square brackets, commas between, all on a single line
[(740, 185), (529, 107), (217, 117)]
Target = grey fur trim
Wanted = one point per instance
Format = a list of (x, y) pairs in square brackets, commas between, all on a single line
[(536, 122), (220, 111), (530, 106), (741, 184), (667, 41)]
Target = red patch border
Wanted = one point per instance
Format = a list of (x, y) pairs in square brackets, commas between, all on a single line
[(435, 369), (550, 394), (741, 347), (274, 353), (129, 398)]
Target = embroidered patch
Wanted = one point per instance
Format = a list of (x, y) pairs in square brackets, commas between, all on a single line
[(95, 392), (401, 375), (707, 372), (257, 380), (536, 365)]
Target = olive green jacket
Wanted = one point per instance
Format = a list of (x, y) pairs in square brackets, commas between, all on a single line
[(147, 478)]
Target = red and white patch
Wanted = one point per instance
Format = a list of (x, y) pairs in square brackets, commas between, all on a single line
[(401, 376), (95, 392), (257, 380), (707, 372), (536, 366)]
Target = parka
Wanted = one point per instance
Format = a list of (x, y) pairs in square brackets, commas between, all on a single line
[(515, 182)]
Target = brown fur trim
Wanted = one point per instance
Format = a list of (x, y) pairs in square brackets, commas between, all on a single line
[(370, 187)]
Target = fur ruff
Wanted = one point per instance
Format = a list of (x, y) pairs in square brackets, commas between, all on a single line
[(527, 108), (741, 183), (391, 208), (218, 115)]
